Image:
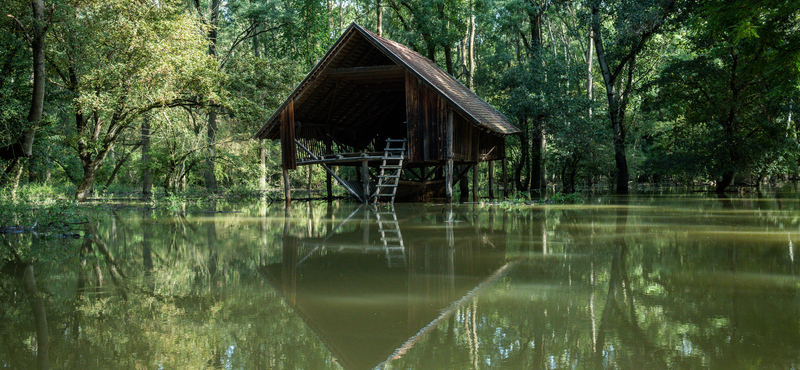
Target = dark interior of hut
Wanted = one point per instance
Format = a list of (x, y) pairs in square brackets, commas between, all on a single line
[(354, 105)]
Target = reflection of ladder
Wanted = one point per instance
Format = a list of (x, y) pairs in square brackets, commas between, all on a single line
[(391, 167), (391, 237)]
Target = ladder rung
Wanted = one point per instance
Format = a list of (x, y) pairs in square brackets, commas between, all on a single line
[(396, 140), (392, 166)]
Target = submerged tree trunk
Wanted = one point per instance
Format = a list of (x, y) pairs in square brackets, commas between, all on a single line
[(727, 180), (537, 178), (522, 184), (463, 185)]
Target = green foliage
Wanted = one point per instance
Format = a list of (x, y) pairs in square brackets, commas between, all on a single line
[(730, 98), (572, 198), (111, 65), (48, 216)]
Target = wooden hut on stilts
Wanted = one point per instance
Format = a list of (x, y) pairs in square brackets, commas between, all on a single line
[(391, 114)]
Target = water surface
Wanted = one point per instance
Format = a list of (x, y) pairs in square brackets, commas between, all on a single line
[(646, 282)]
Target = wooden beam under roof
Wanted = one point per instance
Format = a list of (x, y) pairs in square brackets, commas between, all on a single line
[(384, 72)]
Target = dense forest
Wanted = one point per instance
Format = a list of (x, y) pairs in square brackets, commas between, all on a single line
[(164, 96)]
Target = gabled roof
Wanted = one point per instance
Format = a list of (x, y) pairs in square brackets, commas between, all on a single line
[(466, 102)]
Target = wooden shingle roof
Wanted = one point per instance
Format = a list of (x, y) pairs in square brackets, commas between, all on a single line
[(465, 101)]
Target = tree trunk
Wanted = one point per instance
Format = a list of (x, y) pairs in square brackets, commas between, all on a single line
[(379, 10), (727, 180), (471, 75), (23, 147), (589, 65), (147, 177), (463, 185), (537, 177), (90, 167), (537, 167), (523, 162), (15, 182), (262, 154), (617, 128), (448, 59), (210, 176)]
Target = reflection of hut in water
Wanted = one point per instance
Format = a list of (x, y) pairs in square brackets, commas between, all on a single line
[(365, 309), (368, 89)]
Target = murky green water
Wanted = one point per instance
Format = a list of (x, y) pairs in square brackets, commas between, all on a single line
[(670, 282)]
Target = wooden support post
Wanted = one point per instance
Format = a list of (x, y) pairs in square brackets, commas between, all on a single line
[(328, 177), (505, 180), (448, 180), (475, 182), (491, 179), (287, 187), (448, 173), (365, 180), (310, 173)]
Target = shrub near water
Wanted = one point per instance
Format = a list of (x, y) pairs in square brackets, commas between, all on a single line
[(38, 208)]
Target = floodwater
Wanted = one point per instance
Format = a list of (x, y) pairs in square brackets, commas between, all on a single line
[(645, 282)]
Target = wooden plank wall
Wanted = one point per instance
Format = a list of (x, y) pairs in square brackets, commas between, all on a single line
[(288, 146), (473, 144), (412, 118), (426, 114)]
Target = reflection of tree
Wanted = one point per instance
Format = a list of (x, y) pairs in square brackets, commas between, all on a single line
[(174, 315), (39, 317), (660, 295)]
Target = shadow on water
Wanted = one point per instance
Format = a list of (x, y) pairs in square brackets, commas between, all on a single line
[(384, 277)]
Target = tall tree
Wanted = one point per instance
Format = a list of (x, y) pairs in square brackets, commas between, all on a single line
[(732, 94), (211, 128), (34, 35), (634, 24), (138, 58)]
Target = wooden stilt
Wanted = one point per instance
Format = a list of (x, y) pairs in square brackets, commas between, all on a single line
[(310, 174), (287, 187), (475, 182), (448, 173), (491, 179), (329, 186), (365, 180), (448, 180), (328, 177)]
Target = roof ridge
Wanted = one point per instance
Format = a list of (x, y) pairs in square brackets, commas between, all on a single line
[(395, 43)]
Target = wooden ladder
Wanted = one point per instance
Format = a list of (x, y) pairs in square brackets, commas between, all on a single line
[(391, 237), (389, 177)]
